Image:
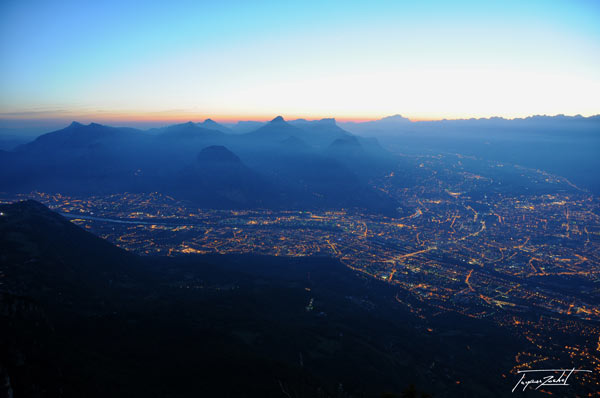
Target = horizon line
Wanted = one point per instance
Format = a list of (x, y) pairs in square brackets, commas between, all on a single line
[(166, 117)]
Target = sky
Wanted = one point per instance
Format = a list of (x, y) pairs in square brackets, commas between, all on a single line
[(239, 60)]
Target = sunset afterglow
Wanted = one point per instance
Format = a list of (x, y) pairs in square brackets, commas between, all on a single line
[(431, 60)]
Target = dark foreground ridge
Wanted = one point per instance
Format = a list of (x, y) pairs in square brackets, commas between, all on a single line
[(84, 318)]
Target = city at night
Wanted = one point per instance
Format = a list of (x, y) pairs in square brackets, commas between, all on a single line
[(285, 199)]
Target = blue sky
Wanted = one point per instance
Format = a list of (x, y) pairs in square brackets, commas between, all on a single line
[(352, 60)]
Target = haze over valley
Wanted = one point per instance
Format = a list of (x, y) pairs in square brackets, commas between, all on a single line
[(299, 199)]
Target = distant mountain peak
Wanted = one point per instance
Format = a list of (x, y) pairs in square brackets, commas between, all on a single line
[(186, 126), (77, 125), (212, 125), (395, 118), (327, 120), (278, 119), (209, 123)]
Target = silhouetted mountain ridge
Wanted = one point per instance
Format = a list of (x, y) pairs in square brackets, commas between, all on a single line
[(278, 165), (212, 125), (32, 235), (398, 124)]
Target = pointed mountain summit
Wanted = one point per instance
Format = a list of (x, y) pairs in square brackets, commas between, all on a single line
[(274, 131), (212, 125)]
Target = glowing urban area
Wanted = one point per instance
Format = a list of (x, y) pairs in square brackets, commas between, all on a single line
[(487, 254)]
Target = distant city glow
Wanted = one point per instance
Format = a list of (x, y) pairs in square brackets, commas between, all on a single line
[(176, 61)]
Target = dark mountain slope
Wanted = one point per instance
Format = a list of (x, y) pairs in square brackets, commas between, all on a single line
[(78, 136), (43, 251), (217, 154), (346, 146), (79, 158), (219, 179), (216, 326), (320, 133), (179, 144), (311, 180), (365, 157)]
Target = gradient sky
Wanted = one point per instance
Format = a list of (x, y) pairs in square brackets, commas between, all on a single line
[(353, 60)]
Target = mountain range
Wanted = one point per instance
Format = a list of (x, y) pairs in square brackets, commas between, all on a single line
[(290, 164), (397, 124), (563, 145), (277, 165)]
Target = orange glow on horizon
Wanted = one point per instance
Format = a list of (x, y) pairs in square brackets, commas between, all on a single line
[(173, 117), (177, 117)]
